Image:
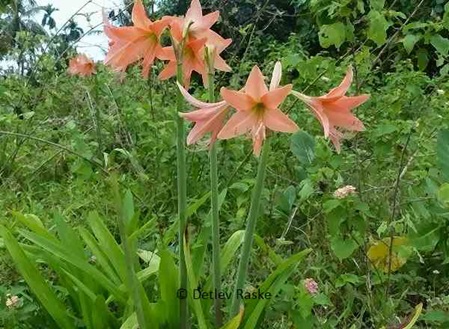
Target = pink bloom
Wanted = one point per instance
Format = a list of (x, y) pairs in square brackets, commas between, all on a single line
[(257, 109), (333, 110), (192, 60), (311, 286), (81, 65), (194, 24), (193, 33), (208, 119), (214, 46), (131, 44)]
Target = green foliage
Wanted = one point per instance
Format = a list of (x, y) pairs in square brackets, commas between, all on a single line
[(71, 268), (303, 147)]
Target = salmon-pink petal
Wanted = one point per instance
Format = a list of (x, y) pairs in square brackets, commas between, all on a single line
[(187, 74), (343, 87), (167, 54), (212, 122), (168, 72), (195, 12), (335, 137), (238, 100), (255, 85), (148, 60), (345, 120), (125, 54), (203, 113), (199, 66), (196, 45), (276, 77), (139, 16), (275, 120), (258, 138), (81, 65), (315, 105), (209, 20), (195, 102), (159, 26), (123, 34), (220, 64), (239, 124), (275, 97), (216, 40), (176, 26), (349, 103)]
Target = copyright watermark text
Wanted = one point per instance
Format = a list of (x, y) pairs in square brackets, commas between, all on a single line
[(215, 294)]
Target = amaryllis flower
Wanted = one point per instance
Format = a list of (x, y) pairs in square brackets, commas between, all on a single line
[(81, 65), (192, 60), (257, 109), (131, 44), (208, 119), (192, 38), (211, 55), (194, 24), (333, 110)]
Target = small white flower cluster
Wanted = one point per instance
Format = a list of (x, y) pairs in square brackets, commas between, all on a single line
[(12, 301), (344, 191)]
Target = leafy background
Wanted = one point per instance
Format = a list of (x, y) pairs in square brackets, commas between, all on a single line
[(53, 161)]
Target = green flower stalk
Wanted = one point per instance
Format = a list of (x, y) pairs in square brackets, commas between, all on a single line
[(216, 272), (182, 194), (242, 271)]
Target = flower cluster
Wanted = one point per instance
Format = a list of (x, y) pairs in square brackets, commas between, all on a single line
[(196, 48), (344, 191), (311, 286), (193, 42), (12, 301), (258, 109)]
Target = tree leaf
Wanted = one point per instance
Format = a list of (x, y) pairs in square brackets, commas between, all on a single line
[(378, 26), (423, 58), (377, 4), (379, 254), (343, 248), (441, 44), (410, 41), (332, 35), (303, 147)]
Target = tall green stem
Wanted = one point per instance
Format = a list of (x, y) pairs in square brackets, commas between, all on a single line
[(132, 282), (249, 231), (96, 117), (182, 196), (215, 215)]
